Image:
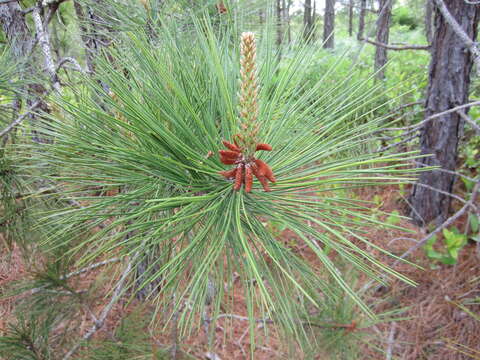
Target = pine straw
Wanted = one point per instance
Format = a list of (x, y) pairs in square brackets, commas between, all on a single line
[(12, 268), (435, 320)]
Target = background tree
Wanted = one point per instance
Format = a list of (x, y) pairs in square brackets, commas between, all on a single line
[(428, 22), (448, 86), (361, 19), (382, 36), (350, 17), (329, 25), (308, 20)]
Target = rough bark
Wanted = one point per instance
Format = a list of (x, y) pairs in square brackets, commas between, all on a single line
[(307, 21), (350, 18), (329, 25), (382, 36), (449, 80), (15, 28), (361, 20), (428, 20)]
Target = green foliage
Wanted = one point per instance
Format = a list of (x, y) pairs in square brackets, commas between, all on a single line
[(403, 16), (453, 242), (28, 339)]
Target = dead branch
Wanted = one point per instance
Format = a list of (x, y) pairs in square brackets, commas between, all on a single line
[(327, 325), (74, 62), (17, 121), (81, 271), (89, 268), (391, 342), (106, 310), (469, 204), (385, 148), (403, 106), (446, 193), (471, 45), (446, 171), (434, 116), (395, 47), (45, 45), (470, 122)]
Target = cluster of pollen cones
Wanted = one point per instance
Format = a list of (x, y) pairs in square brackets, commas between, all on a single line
[(246, 166)]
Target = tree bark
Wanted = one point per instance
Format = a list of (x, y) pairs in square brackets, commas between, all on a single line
[(350, 18), (307, 21), (15, 28), (428, 20), (382, 36), (449, 80), (329, 25), (361, 20)]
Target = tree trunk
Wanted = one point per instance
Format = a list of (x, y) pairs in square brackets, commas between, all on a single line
[(307, 21), (15, 28), (287, 20), (350, 18), (361, 19), (382, 35), (279, 22), (329, 25), (428, 20), (449, 80)]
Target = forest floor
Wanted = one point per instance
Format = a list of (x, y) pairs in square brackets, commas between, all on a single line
[(434, 327)]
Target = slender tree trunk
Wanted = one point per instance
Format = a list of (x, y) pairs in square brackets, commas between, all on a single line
[(287, 20), (382, 35), (329, 25), (261, 16), (428, 20), (350, 18), (361, 19), (449, 80), (307, 21), (279, 22)]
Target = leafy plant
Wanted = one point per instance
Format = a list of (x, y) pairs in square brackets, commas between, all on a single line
[(453, 242), (403, 16)]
